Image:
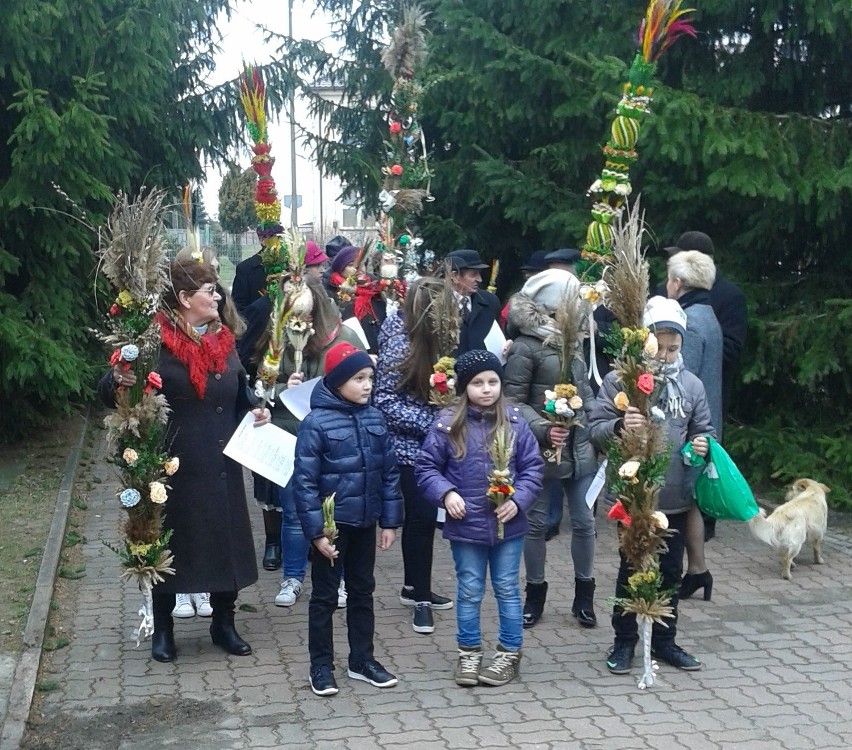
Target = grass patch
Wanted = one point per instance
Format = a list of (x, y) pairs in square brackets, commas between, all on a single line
[(47, 686), (54, 644), (72, 572)]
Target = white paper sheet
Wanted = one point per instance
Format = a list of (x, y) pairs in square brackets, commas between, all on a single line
[(298, 398), (597, 484), (354, 324), (267, 450), (495, 342)]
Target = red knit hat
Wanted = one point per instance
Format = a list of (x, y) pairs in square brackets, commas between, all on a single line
[(342, 361)]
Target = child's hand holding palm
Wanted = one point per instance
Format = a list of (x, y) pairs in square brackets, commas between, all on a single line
[(454, 503)]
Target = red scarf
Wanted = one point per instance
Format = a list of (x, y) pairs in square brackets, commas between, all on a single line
[(201, 354), (364, 300)]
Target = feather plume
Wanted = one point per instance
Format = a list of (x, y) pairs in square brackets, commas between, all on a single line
[(407, 49), (627, 270), (662, 26)]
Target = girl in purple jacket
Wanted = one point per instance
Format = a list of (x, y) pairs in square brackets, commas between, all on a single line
[(452, 470)]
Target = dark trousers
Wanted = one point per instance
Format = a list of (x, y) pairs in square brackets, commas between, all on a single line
[(357, 549), (418, 536), (671, 568)]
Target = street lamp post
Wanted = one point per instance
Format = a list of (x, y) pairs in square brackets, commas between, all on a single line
[(294, 211)]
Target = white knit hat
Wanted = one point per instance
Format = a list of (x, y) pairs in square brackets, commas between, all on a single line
[(548, 288), (664, 313)]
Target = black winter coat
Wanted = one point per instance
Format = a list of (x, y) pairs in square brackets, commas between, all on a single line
[(344, 448), (484, 311), (206, 510), (249, 282)]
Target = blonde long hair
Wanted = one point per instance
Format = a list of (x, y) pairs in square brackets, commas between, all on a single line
[(458, 425)]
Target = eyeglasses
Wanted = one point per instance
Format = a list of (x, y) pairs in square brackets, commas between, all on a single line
[(209, 292)]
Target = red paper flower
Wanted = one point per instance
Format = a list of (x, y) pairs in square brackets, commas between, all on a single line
[(395, 127), (266, 192), (645, 383), (261, 148), (115, 310), (617, 513), (439, 382), (263, 168), (116, 356), (396, 170), (154, 380)]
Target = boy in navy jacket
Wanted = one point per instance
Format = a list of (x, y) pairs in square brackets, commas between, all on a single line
[(343, 448)]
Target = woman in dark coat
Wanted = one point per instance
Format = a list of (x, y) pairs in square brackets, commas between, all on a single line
[(207, 391)]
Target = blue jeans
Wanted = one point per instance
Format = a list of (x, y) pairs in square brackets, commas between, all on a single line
[(472, 562), (294, 545)]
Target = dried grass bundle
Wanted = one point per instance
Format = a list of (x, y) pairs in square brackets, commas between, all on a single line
[(410, 200), (407, 49), (444, 317), (627, 270)]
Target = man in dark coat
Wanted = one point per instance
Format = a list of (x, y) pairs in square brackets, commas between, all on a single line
[(249, 282), (479, 309)]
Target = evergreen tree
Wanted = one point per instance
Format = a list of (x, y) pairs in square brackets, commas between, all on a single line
[(236, 201), (749, 141), (96, 96)]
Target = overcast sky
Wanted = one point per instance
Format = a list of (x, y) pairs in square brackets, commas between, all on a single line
[(243, 41)]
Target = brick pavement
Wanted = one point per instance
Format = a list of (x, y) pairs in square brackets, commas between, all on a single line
[(777, 665)]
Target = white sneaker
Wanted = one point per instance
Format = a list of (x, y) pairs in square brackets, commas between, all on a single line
[(342, 596), (291, 588), (183, 606), (201, 602)]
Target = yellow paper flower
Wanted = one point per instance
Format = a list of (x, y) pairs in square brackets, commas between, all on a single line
[(158, 492), (621, 401), (171, 465), (566, 391), (125, 299), (628, 469), (268, 211), (130, 456), (140, 550), (445, 365)]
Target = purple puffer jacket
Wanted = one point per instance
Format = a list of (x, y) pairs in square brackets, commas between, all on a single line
[(438, 472)]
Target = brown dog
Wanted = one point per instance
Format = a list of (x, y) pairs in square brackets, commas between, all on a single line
[(803, 518)]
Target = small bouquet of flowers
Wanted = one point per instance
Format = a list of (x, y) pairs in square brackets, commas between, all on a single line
[(442, 382), (560, 407), (329, 526), (500, 488)]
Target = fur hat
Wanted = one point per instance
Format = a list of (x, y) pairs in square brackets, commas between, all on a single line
[(345, 256), (342, 361), (471, 363), (550, 287), (664, 313)]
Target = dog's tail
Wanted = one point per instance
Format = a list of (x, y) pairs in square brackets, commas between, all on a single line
[(763, 529)]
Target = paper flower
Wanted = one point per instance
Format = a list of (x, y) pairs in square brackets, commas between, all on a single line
[(158, 492), (657, 414), (125, 299), (618, 513), (651, 346), (114, 310), (440, 382), (395, 127), (562, 409), (130, 456), (139, 550), (550, 395), (628, 469), (129, 498), (115, 358), (645, 383), (129, 353), (396, 170), (621, 401), (388, 270), (575, 402), (171, 465), (660, 519), (154, 380), (566, 390)]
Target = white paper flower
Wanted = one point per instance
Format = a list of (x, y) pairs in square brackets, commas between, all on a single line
[(623, 188), (129, 352), (388, 270), (130, 456), (158, 492), (660, 519), (628, 469), (657, 414), (652, 346), (304, 303), (562, 408), (575, 402), (595, 187), (550, 395), (171, 465)]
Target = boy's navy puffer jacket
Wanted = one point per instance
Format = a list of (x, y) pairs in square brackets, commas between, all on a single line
[(343, 448)]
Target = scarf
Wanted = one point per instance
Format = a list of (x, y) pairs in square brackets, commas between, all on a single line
[(201, 354), (674, 391), (364, 301)]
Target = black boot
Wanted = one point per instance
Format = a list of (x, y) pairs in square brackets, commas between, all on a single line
[(222, 629), (693, 581), (534, 605), (272, 527), (583, 607), (163, 640)]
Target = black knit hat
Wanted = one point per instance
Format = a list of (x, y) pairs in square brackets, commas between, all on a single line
[(471, 363)]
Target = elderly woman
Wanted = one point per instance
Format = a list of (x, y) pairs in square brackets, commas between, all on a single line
[(690, 277), (207, 392), (534, 365)]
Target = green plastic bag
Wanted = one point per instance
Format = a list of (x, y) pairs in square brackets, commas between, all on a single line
[(721, 490)]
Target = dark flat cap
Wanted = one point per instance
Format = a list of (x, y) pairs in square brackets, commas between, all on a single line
[(563, 255), (536, 261), (692, 241), (461, 259)]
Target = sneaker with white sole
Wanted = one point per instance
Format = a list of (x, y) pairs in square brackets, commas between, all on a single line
[(201, 602), (505, 666), (374, 673), (423, 621), (467, 669), (183, 606), (291, 588), (342, 596), (322, 680), (406, 597)]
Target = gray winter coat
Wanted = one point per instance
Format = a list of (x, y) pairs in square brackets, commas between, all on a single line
[(605, 421), (533, 366)]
